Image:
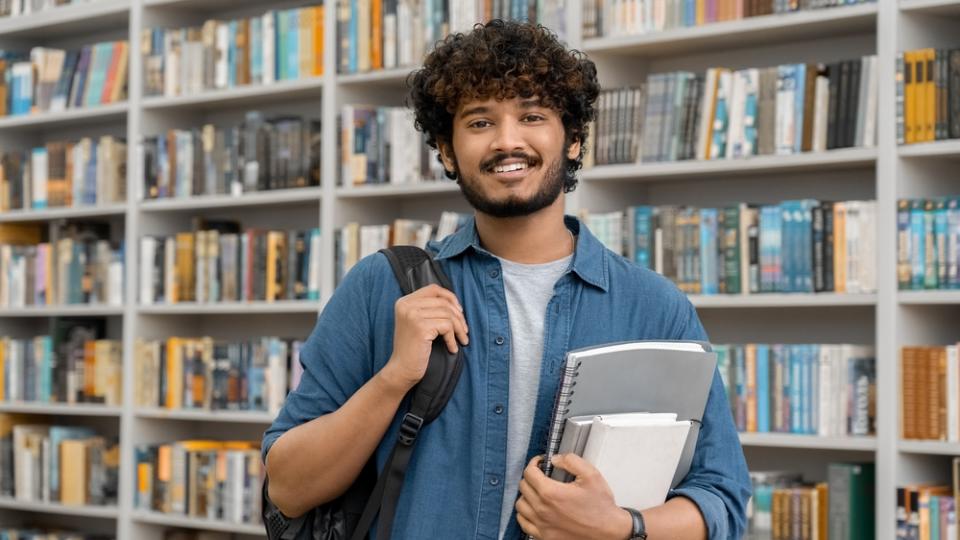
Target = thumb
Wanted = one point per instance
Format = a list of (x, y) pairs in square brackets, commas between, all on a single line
[(575, 465)]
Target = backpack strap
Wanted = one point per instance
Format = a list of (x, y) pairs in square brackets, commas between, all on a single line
[(414, 268)]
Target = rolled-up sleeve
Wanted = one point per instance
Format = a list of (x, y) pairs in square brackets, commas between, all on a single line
[(718, 481), (336, 358)]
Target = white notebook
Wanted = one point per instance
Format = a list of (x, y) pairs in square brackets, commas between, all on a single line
[(637, 454)]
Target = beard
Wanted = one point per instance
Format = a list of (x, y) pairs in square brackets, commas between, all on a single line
[(513, 206)]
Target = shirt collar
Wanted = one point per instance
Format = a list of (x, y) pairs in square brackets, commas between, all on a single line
[(589, 257)]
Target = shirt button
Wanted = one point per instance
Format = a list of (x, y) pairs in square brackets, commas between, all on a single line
[(494, 481), (499, 340), (498, 409), (494, 273)]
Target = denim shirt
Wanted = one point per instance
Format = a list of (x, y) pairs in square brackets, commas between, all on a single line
[(454, 484)]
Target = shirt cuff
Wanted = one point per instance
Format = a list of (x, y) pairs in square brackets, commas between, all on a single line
[(267, 443), (711, 508)]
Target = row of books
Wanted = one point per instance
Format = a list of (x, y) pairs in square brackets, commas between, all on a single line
[(77, 266), (780, 110), (379, 145), (53, 80), (928, 95), (824, 390), (798, 246), (354, 241), (280, 45), (218, 480), (201, 373), (72, 465), (930, 393), (18, 8), (384, 34), (41, 371), (63, 174), (785, 507), (929, 511), (261, 153), (630, 17), (218, 262), (928, 243)]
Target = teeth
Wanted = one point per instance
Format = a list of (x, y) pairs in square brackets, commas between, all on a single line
[(511, 167)]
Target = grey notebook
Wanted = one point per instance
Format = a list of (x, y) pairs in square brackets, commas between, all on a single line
[(635, 376)]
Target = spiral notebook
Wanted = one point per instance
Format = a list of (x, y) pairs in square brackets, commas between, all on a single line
[(635, 376)]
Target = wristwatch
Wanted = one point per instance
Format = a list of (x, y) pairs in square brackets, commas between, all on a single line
[(639, 531)]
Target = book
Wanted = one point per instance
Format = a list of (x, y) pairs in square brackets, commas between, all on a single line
[(629, 377)]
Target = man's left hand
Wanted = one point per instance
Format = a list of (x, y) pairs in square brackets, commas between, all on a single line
[(584, 508)]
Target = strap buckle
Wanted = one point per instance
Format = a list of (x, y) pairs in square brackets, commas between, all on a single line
[(410, 428)]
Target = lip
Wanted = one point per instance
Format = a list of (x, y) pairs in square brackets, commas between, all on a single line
[(512, 175)]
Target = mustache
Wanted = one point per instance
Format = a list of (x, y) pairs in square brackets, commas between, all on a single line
[(488, 164)]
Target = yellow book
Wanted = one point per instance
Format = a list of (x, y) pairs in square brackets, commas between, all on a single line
[(21, 234), (919, 97), (376, 35), (909, 98), (750, 355), (930, 95), (839, 247), (701, 12), (89, 369), (4, 343), (164, 476), (271, 266), (74, 471), (305, 36)]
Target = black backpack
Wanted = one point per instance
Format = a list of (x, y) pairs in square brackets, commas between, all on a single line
[(350, 516)]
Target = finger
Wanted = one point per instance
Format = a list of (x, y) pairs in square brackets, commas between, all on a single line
[(435, 290), (535, 477), (575, 465), (526, 525), (429, 308), (444, 327), (530, 494)]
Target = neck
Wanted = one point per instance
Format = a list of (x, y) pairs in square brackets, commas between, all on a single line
[(538, 238)]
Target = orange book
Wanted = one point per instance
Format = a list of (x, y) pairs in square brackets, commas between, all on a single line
[(750, 355), (305, 25), (919, 97), (318, 15), (89, 368), (243, 51), (164, 475), (174, 373), (20, 234), (376, 34), (111, 76), (118, 92)]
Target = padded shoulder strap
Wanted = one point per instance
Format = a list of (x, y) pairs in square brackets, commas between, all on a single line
[(403, 260)]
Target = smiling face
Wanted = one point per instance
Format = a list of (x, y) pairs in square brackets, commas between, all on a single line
[(509, 155)]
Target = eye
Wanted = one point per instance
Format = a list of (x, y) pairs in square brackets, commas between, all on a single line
[(478, 124), (533, 117)]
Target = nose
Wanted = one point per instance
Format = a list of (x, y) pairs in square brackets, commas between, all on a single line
[(508, 136)]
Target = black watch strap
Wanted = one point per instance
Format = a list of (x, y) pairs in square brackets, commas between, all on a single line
[(639, 531)]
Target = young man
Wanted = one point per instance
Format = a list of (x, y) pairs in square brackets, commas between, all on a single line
[(507, 106)]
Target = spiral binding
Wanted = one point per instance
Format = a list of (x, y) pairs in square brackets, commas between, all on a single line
[(561, 409)]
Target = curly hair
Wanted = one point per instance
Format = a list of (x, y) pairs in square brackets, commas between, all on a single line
[(505, 60)]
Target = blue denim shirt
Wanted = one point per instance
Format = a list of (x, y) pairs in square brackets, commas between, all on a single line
[(454, 484)]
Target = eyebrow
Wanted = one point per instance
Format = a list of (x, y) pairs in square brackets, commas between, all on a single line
[(531, 103)]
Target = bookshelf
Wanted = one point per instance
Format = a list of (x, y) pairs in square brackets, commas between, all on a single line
[(887, 319)]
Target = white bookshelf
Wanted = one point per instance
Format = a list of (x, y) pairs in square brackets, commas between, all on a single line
[(49, 214), (58, 409), (809, 442), (74, 19), (85, 511), (887, 319), (833, 160), (67, 118)]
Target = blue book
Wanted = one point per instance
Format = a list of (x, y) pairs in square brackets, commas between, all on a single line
[(806, 229), (800, 77), (941, 233), (99, 66), (90, 175), (256, 50), (918, 252), (953, 243), (788, 232), (934, 516), (293, 44), (40, 196), (354, 33), (796, 383), (643, 229), (232, 54), (763, 388), (709, 276), (46, 369), (740, 368)]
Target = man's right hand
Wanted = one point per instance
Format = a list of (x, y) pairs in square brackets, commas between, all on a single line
[(420, 317)]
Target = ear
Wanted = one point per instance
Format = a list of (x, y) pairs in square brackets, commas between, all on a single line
[(446, 155), (573, 151)]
